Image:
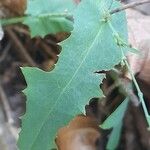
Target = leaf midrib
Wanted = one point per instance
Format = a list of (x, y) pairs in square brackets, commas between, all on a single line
[(88, 51)]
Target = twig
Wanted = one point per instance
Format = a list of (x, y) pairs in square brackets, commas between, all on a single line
[(8, 112), (21, 30), (6, 105), (5, 52), (21, 50), (130, 5), (48, 50)]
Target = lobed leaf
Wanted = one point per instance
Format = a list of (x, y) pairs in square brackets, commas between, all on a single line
[(43, 20), (54, 98)]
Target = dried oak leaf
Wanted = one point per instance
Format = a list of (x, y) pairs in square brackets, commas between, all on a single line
[(14, 7), (139, 37), (143, 63), (81, 134)]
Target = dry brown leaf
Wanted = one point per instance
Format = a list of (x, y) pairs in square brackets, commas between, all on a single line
[(138, 27), (139, 37), (139, 31), (144, 73), (15, 7), (81, 134)]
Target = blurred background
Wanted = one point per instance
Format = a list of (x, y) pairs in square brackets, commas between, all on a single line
[(17, 49)]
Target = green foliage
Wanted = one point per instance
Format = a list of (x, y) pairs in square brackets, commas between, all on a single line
[(114, 137), (54, 98), (116, 117), (115, 121), (49, 16), (98, 42)]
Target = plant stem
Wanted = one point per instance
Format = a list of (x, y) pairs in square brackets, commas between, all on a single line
[(140, 94), (5, 22), (130, 5)]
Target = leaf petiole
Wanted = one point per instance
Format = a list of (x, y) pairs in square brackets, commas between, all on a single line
[(21, 19), (140, 94), (120, 42)]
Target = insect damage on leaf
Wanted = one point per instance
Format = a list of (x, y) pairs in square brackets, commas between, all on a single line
[(54, 98), (49, 16)]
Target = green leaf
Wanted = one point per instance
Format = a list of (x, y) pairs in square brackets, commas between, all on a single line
[(115, 121), (54, 98), (49, 16), (116, 117), (114, 137), (45, 25)]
